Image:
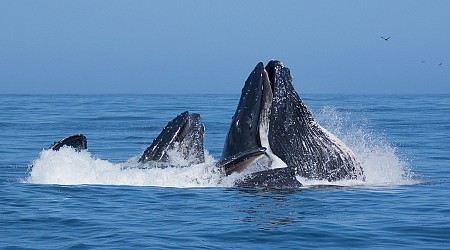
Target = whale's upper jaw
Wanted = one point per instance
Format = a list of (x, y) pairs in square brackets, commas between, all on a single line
[(271, 69)]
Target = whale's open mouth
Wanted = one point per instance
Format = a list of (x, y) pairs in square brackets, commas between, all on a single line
[(272, 122), (186, 132)]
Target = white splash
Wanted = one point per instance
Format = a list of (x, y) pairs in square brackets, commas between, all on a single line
[(381, 164), (68, 167)]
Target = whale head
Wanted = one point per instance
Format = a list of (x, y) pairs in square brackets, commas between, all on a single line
[(272, 123), (184, 134)]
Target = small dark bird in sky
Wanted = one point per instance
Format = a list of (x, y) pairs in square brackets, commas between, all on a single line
[(387, 38), (423, 61), (440, 64)]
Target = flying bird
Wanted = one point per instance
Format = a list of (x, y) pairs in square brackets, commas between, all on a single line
[(387, 38), (440, 64)]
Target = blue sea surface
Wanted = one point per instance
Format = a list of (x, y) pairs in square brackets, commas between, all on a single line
[(90, 200)]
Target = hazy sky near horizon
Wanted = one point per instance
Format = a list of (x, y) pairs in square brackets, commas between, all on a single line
[(202, 46)]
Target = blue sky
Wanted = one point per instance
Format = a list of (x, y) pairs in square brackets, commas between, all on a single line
[(103, 47)]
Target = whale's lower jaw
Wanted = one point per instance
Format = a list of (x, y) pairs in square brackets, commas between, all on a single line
[(280, 178)]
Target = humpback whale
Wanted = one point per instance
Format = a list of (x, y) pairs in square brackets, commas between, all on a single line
[(273, 125), (184, 134), (273, 139), (78, 142)]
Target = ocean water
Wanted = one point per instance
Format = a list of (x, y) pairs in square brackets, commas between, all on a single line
[(94, 199)]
